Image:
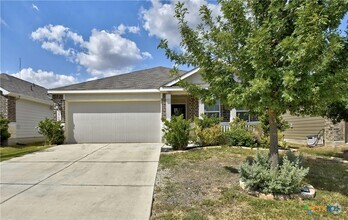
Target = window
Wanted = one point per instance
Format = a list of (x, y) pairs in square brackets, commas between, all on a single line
[(246, 116), (212, 110)]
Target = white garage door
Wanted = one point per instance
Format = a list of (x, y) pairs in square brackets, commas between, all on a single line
[(104, 122)]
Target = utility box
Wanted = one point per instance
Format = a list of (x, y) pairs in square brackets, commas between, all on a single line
[(314, 140)]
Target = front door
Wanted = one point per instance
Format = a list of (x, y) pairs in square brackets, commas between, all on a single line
[(179, 109)]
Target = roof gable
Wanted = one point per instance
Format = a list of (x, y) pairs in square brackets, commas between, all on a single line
[(18, 86), (192, 76)]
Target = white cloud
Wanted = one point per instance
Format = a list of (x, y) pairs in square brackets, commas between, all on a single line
[(109, 53), (55, 33), (3, 23), (122, 29), (44, 78), (104, 54), (159, 19), (55, 47), (147, 55), (35, 7)]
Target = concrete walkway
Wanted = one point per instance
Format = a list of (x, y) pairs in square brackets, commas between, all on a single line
[(82, 181)]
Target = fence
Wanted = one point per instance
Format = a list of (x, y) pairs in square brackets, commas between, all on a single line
[(225, 126)]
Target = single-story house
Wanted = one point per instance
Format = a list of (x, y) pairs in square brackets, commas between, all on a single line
[(129, 107), (24, 104)]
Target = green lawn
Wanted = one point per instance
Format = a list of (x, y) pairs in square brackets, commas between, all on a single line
[(9, 152), (204, 184)]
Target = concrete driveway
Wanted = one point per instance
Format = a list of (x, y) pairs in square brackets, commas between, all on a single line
[(82, 181)]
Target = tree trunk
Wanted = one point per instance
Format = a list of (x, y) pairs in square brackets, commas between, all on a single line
[(273, 133)]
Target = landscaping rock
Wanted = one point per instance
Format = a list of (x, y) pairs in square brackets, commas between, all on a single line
[(345, 154), (242, 184), (308, 195), (307, 192), (265, 196)]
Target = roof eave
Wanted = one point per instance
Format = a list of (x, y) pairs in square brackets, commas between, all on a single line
[(103, 91), (4, 91), (29, 98)]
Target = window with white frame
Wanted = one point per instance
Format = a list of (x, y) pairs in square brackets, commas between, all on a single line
[(212, 110), (246, 116)]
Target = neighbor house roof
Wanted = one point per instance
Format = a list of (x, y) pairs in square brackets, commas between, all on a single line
[(152, 78), (11, 85)]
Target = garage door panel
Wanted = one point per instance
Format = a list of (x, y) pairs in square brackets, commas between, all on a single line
[(114, 122)]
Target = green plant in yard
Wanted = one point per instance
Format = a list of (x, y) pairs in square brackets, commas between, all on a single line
[(4, 134), (52, 130), (239, 135), (177, 132), (206, 122), (286, 179), (207, 131), (282, 124), (210, 136)]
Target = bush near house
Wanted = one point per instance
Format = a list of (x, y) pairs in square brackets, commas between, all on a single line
[(285, 179), (177, 132), (52, 130), (207, 131), (239, 135), (4, 134)]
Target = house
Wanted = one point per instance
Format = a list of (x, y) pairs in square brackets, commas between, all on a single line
[(129, 107), (303, 126), (24, 104)]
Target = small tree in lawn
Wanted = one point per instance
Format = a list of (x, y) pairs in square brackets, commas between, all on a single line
[(268, 56)]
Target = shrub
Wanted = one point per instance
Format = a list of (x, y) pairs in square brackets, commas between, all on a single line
[(210, 136), (4, 134), (286, 179), (206, 122), (239, 135), (52, 130), (177, 132), (207, 131)]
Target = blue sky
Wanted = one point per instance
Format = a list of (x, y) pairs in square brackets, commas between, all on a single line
[(64, 42)]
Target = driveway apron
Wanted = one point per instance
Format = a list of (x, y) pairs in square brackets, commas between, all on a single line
[(81, 181)]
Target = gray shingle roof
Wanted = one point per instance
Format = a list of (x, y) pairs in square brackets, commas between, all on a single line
[(22, 87), (152, 78)]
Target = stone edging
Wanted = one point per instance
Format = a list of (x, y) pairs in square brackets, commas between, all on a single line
[(302, 195)]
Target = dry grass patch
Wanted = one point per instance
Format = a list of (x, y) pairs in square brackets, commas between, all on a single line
[(204, 184)]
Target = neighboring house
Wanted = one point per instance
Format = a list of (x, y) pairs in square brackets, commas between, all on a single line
[(301, 127), (24, 104), (129, 107)]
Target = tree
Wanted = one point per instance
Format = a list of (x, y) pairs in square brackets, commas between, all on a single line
[(269, 56), (337, 111)]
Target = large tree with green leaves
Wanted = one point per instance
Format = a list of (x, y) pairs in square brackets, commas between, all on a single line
[(270, 56)]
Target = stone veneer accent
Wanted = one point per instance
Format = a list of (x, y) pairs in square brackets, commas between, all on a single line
[(225, 114), (3, 105), (164, 106), (59, 104), (334, 133), (192, 107), (8, 107)]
